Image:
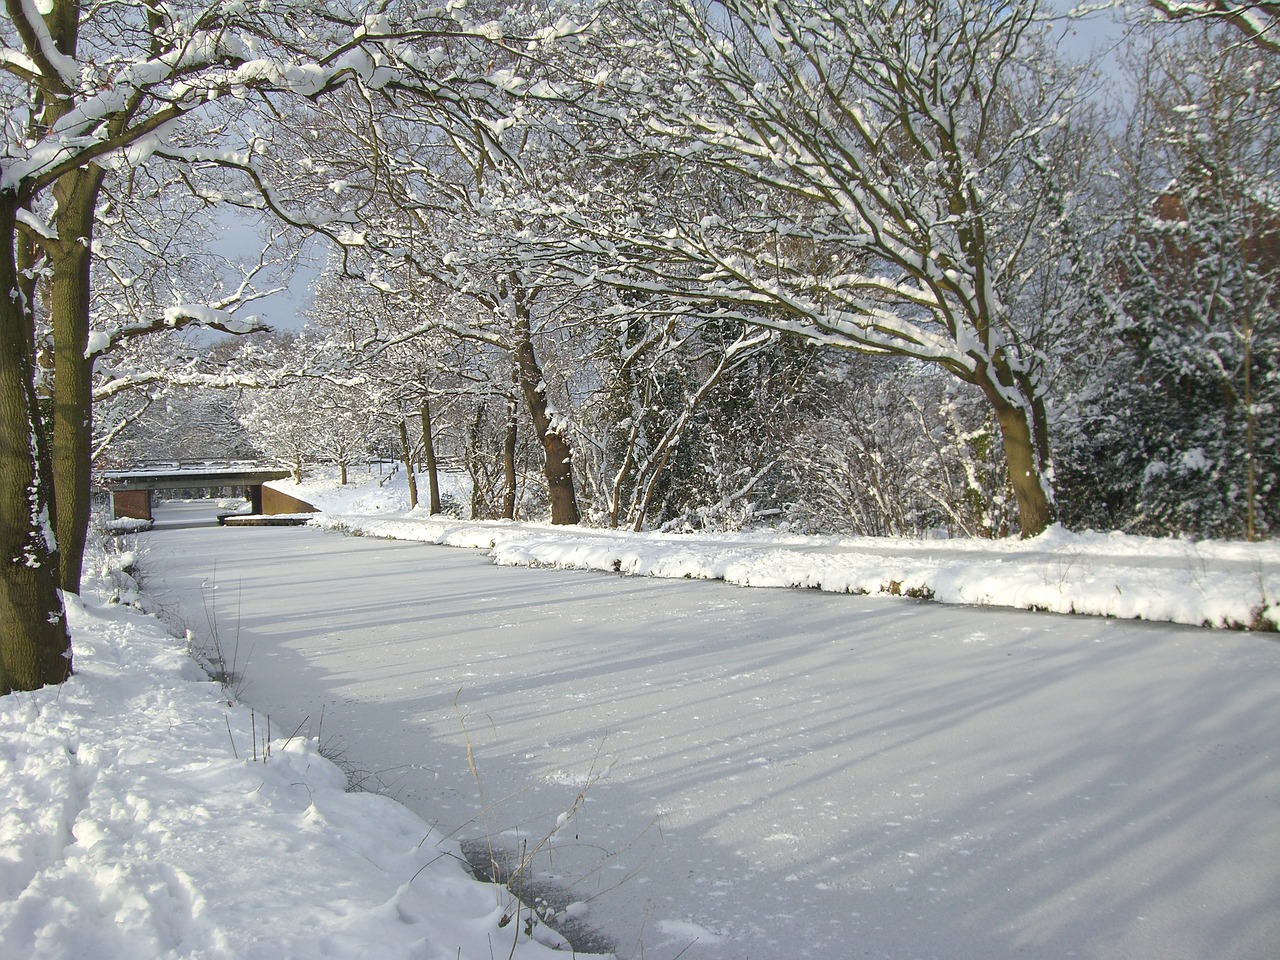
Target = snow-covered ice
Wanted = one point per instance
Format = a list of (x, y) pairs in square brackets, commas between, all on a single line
[(692, 768)]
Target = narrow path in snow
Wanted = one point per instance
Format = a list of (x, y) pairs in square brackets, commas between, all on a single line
[(772, 772)]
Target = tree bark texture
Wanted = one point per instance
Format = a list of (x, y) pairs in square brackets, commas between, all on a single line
[(1025, 454), (69, 302), (35, 647), (559, 457)]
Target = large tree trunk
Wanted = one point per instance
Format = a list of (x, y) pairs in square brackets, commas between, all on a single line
[(35, 647), (1026, 457), (559, 457), (429, 455), (77, 195)]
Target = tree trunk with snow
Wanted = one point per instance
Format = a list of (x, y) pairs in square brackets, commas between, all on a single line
[(35, 647), (1023, 459), (558, 466)]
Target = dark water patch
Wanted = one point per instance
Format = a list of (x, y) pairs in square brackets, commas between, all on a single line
[(545, 900)]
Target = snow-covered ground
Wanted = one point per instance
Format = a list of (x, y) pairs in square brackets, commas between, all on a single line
[(1044, 787)]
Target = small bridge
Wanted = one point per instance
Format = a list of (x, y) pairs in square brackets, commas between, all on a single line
[(131, 487)]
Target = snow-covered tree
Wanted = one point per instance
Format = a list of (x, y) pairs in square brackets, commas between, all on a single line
[(168, 397), (86, 88), (436, 214), (1259, 22), (1186, 440), (894, 165)]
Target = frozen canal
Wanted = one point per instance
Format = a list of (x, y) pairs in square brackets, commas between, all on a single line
[(717, 772)]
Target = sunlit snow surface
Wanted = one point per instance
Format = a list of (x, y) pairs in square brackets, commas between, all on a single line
[(694, 769)]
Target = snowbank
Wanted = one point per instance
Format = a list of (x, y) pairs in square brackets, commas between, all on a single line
[(142, 815), (1202, 583), (1215, 584)]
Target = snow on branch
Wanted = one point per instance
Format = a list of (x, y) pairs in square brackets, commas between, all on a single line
[(126, 103), (1259, 22), (174, 318), (57, 72), (211, 317)]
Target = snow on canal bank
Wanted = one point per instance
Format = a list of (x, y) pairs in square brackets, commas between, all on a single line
[(721, 773), (1202, 583)]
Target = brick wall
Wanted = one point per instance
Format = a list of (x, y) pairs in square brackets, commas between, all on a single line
[(131, 503), (274, 502)]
